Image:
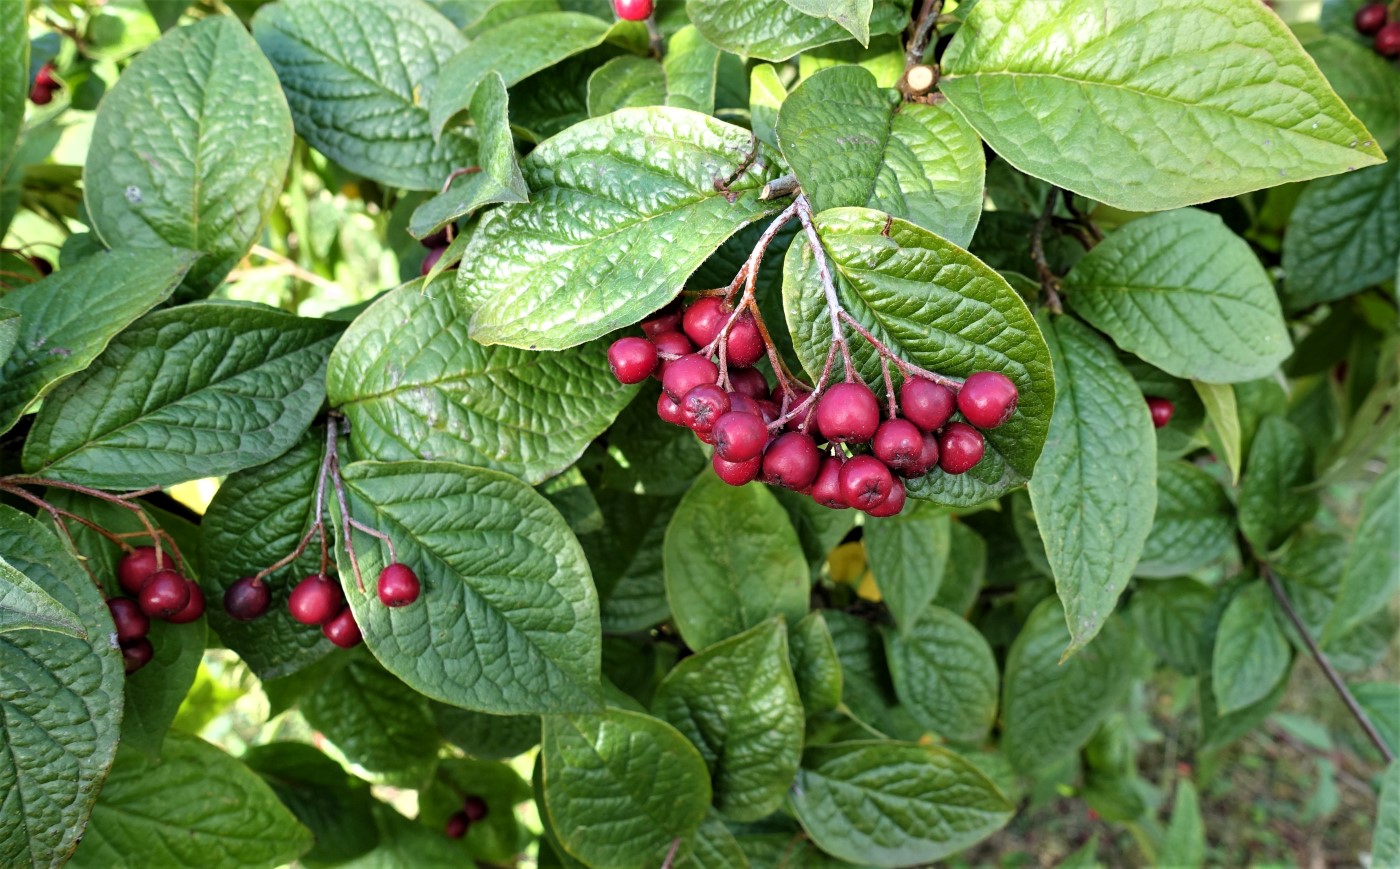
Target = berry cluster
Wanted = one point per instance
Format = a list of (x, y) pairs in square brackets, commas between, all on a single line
[(153, 591), (473, 810), (41, 91), (1374, 20)]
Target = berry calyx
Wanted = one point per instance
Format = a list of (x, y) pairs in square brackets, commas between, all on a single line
[(704, 319), (131, 623), (632, 360), (247, 599), (960, 448), (898, 443), (749, 381), (686, 373), (475, 808), (164, 594), (137, 654), (316, 600), (865, 482), (893, 503), (744, 344), (632, 10), (739, 437), (457, 825), (398, 585), (826, 488), (791, 461), (703, 406), (192, 610), (987, 399), (926, 404), (1161, 409), (736, 473), (1370, 18), (343, 630), (668, 410), (848, 413), (135, 568), (1388, 40)]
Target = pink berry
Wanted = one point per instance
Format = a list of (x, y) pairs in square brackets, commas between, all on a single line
[(960, 448), (1370, 18), (669, 410), (826, 488), (343, 630), (665, 322), (791, 461), (703, 406), (135, 568), (398, 585), (632, 360), (926, 404), (632, 10), (928, 457), (316, 600), (898, 443), (736, 473), (987, 399), (704, 319), (686, 373), (739, 437), (865, 482), (1388, 40), (848, 413)]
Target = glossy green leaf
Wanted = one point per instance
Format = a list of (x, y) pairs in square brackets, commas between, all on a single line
[(620, 787), (66, 319), (852, 143), (938, 307), (24, 606), (60, 705), (1385, 844), (1094, 489), (359, 78), (415, 386), (866, 688), (1251, 654), (815, 666), (692, 69), (189, 149), (1050, 709), (1223, 412), (852, 15), (624, 208), (1272, 500), (944, 672), (154, 693), (1370, 578), (712, 847), (766, 95), (1185, 842), (194, 805), (965, 573), (195, 391), (1186, 294), (626, 82), (508, 618), (737, 702), (725, 576), (625, 558), (379, 727), (496, 838), (1343, 236), (1364, 80), (1193, 526), (894, 804), (908, 555), (487, 737), (778, 29), (335, 806), (14, 77), (1146, 106), (1171, 616)]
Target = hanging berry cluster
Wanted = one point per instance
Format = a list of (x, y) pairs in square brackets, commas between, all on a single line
[(1379, 22), (154, 590), (834, 442)]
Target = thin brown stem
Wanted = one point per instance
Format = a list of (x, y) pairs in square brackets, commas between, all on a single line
[(458, 173), (907, 369), (1049, 283), (889, 385), (833, 303), (1082, 217), (333, 465), (671, 854), (921, 33), (376, 533)]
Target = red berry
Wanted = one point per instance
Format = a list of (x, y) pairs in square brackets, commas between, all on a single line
[(744, 346), (437, 239), (893, 503), (42, 96), (164, 594), (475, 808), (926, 404), (791, 461), (41, 265), (131, 623), (457, 825), (928, 457), (703, 406), (632, 360), (987, 399), (848, 413), (865, 482), (704, 319), (686, 373), (135, 568), (430, 260), (739, 437), (1388, 40), (632, 10), (1161, 409), (960, 448), (898, 443), (665, 322), (668, 410), (826, 488), (741, 403), (749, 381), (768, 410), (194, 609), (137, 654), (343, 630), (316, 600), (398, 585), (1370, 18), (247, 599), (736, 473), (673, 343)]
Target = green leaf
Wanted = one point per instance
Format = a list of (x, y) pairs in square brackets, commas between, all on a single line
[(66, 319), (626, 82), (1185, 842), (189, 149), (506, 634), (1272, 499), (620, 787), (866, 688), (1186, 294), (1219, 730), (1364, 80), (818, 528), (815, 666), (24, 606), (725, 576), (1171, 616), (1094, 489), (60, 705), (154, 693), (963, 576), (944, 672), (1223, 413), (499, 179), (1385, 845), (737, 702), (571, 496), (359, 78), (14, 78), (414, 385), (193, 803), (692, 69), (1049, 709), (852, 143), (405, 844), (938, 307), (1145, 106), (1251, 654), (515, 50), (778, 29), (766, 96), (908, 555), (487, 737), (336, 807), (1381, 701), (894, 804), (852, 15), (9, 333), (495, 838), (624, 209), (712, 847), (649, 455), (195, 391), (1193, 526), (1370, 578), (625, 558), (1343, 236)]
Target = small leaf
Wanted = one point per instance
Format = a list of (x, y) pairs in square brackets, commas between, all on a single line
[(908, 556), (1193, 526), (766, 96), (1145, 106), (692, 70), (1343, 236), (1094, 488), (815, 665), (1385, 844), (778, 29), (625, 557), (1186, 294), (1251, 653), (1223, 413), (1218, 729), (24, 606), (944, 672), (1185, 842), (894, 804), (852, 15), (867, 689), (1272, 499), (14, 77), (626, 82), (1172, 616), (1371, 576), (335, 806)]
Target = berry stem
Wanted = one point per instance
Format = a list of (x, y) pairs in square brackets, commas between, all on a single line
[(1049, 282), (125, 500), (906, 369), (458, 173), (388, 541), (333, 464), (833, 304), (889, 385)]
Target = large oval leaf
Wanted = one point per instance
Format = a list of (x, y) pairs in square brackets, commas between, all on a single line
[(1172, 616), (908, 555), (1343, 236), (625, 557), (778, 29), (1146, 105), (1193, 525), (190, 148), (508, 618), (939, 307), (1251, 653), (944, 672), (380, 727), (25, 606), (623, 208)]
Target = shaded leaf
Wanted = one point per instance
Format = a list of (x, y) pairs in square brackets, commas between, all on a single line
[(1372, 571), (380, 727), (908, 555), (1193, 526), (945, 674), (1272, 499), (1251, 654), (26, 606)]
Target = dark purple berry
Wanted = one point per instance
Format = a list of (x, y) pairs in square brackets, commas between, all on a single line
[(898, 443), (739, 437), (431, 260), (926, 404), (893, 503), (960, 448), (194, 609), (475, 808), (247, 599), (791, 461), (135, 568), (131, 623), (398, 585), (1161, 409), (316, 600), (457, 825), (137, 654), (1388, 40), (343, 630), (703, 406), (987, 399), (826, 488), (848, 413), (164, 594), (1370, 18), (632, 360), (865, 482), (686, 373)]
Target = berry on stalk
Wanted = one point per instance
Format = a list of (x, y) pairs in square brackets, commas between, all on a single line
[(668, 410), (703, 406), (131, 623), (744, 345), (1370, 18), (632, 10), (137, 654), (893, 503), (736, 473), (739, 437), (164, 594), (703, 320), (632, 360), (1388, 40), (192, 610), (343, 630), (398, 585), (826, 488), (686, 373), (1161, 409), (135, 568), (960, 448), (898, 443), (987, 399), (848, 413), (673, 343), (865, 482), (316, 600), (791, 461), (926, 404), (247, 599)]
